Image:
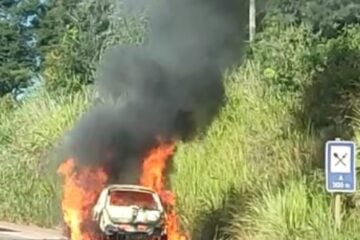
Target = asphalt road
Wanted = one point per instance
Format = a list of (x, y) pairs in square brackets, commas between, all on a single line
[(10, 231), (15, 236)]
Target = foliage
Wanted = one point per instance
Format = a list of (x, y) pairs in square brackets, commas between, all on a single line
[(18, 52), (72, 43), (283, 52), (323, 74), (28, 192), (334, 90), (327, 17), (15, 68)]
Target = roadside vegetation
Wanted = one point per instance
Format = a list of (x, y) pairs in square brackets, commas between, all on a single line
[(257, 173)]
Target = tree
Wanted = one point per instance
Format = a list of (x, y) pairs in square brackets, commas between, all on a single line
[(327, 17), (74, 34), (15, 67), (68, 36), (17, 49)]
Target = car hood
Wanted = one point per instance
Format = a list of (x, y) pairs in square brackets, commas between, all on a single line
[(120, 214)]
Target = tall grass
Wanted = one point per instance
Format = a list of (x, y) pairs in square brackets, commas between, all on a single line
[(253, 175), (28, 132), (243, 150), (250, 177)]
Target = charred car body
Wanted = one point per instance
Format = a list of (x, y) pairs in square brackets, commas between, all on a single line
[(130, 212)]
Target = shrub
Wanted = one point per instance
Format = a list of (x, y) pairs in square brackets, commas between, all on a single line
[(283, 53)]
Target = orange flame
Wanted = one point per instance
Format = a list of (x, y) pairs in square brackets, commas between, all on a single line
[(82, 187), (81, 190), (153, 176)]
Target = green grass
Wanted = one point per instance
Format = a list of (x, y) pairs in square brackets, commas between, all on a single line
[(249, 177), (28, 132), (254, 175)]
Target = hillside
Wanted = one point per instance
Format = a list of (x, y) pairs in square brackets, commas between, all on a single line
[(256, 173)]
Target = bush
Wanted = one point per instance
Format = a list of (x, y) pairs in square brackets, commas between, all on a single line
[(283, 52), (329, 100)]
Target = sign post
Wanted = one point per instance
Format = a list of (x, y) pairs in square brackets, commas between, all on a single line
[(252, 19), (340, 172)]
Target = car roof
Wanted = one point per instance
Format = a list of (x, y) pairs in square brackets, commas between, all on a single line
[(129, 187)]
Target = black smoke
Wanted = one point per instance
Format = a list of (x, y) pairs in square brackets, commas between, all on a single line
[(171, 87)]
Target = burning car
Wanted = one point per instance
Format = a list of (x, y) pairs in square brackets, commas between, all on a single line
[(130, 211)]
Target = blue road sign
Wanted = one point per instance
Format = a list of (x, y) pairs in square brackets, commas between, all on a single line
[(340, 169)]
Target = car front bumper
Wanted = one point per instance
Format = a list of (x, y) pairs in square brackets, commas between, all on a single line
[(131, 230)]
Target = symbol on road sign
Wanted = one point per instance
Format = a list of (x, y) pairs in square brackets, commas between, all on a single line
[(340, 166), (340, 160)]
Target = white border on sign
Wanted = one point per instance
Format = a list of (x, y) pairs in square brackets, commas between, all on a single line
[(351, 143)]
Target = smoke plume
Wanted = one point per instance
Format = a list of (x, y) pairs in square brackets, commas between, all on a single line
[(171, 87)]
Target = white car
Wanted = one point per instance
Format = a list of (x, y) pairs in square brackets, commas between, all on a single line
[(130, 212)]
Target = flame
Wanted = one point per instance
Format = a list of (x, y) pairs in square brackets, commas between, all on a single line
[(82, 186), (153, 172), (81, 190)]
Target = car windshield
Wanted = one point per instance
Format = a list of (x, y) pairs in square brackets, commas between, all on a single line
[(127, 198)]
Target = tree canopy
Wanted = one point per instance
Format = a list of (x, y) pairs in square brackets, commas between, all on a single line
[(62, 40), (17, 52)]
